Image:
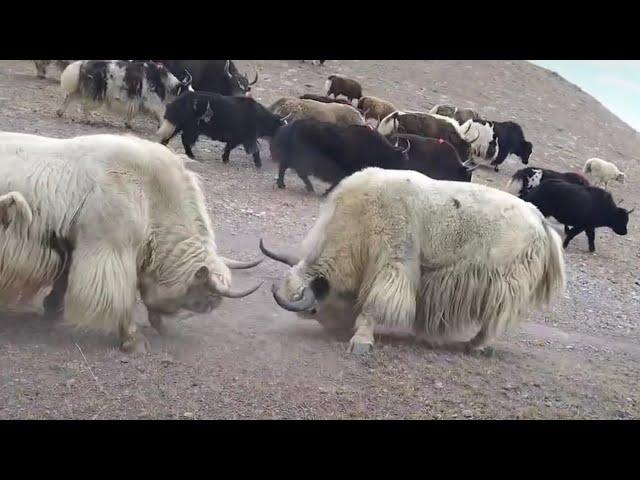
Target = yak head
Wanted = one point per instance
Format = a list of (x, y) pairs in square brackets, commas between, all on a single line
[(240, 85), (194, 285), (310, 295), (187, 108), (620, 219)]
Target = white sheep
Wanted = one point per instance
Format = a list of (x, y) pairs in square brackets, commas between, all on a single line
[(602, 172)]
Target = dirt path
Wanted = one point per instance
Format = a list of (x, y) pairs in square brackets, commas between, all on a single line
[(249, 359)]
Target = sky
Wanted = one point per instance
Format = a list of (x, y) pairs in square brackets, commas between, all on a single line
[(615, 83)]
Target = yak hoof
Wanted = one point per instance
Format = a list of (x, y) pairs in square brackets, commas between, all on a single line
[(281, 185), (137, 344), (127, 126), (59, 112), (360, 344), (495, 169)]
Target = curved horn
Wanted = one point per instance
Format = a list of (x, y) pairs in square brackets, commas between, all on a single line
[(477, 137), (226, 68), (230, 293), (471, 169), (397, 144), (468, 128), (238, 265), (406, 150), (305, 303), (629, 212), (188, 79), (288, 259), (468, 162), (286, 117), (255, 80)]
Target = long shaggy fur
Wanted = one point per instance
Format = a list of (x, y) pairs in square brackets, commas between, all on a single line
[(76, 189), (434, 256)]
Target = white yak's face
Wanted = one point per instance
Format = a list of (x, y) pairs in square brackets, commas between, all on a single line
[(199, 295), (331, 309)]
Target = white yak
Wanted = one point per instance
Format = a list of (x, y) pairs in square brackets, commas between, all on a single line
[(100, 217), (396, 248)]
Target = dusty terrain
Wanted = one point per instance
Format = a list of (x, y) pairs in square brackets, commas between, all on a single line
[(249, 359)]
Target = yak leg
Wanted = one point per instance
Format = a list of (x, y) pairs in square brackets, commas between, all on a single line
[(54, 302), (155, 319), (131, 112), (41, 68), (189, 137), (281, 171), (68, 98), (328, 190), (389, 299), (591, 236), (307, 183), (227, 151), (102, 290), (572, 233)]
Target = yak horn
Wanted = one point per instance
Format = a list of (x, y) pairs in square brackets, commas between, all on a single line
[(286, 117), (629, 212), (230, 293), (288, 259), (255, 80), (305, 303), (226, 68), (188, 79), (471, 169), (238, 265), (477, 137), (406, 150)]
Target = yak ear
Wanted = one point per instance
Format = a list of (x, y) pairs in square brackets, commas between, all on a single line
[(202, 275)]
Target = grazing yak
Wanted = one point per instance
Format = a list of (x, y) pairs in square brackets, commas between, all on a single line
[(76, 191), (297, 109), (396, 248), (316, 62), (232, 120), (340, 85), (602, 172), (529, 178), (373, 107), (332, 152), (432, 126), (41, 66), (120, 85), (323, 98), (435, 158), (216, 76), (584, 208)]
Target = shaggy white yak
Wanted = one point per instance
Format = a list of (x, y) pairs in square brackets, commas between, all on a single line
[(602, 172), (99, 217), (396, 248)]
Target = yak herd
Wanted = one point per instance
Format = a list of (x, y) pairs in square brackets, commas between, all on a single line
[(404, 237)]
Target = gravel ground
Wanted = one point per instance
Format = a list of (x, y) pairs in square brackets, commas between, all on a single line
[(249, 359)]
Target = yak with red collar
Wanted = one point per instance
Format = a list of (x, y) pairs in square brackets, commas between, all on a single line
[(217, 76), (585, 208), (232, 120)]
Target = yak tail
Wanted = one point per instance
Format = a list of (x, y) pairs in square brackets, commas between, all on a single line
[(13, 206), (553, 277), (70, 78)]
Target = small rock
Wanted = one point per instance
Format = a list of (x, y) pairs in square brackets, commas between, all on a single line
[(438, 385), (166, 362), (124, 360), (69, 383), (187, 415), (467, 413)]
